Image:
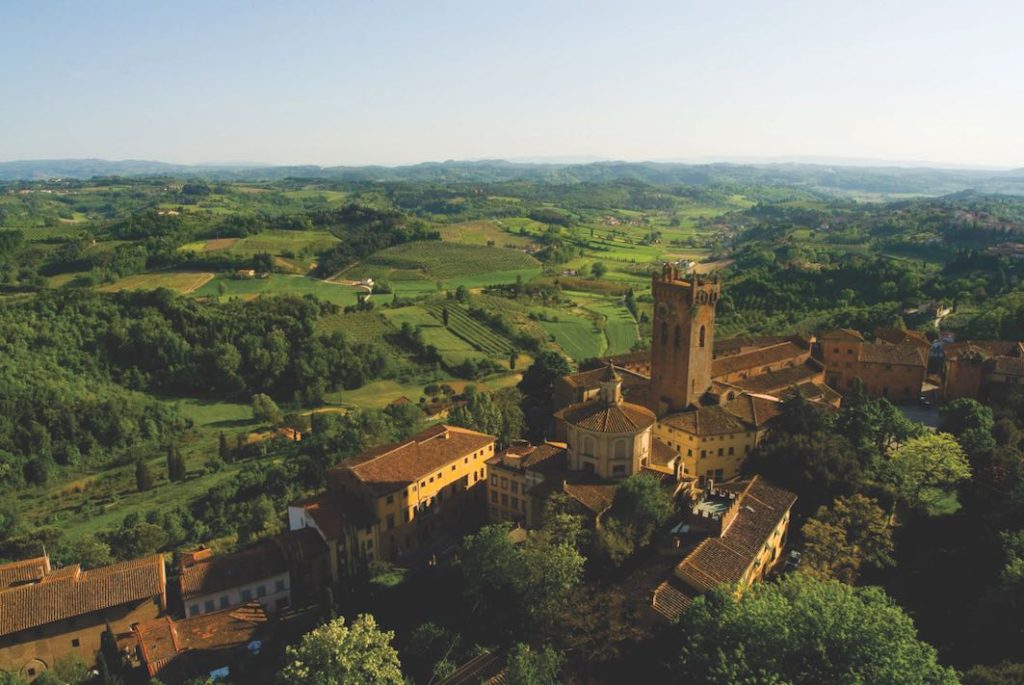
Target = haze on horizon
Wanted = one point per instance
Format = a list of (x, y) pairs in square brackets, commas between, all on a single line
[(396, 83)]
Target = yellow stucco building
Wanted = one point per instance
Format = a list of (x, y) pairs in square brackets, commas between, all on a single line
[(399, 499)]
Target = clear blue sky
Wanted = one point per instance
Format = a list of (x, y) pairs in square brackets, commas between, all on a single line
[(400, 82)]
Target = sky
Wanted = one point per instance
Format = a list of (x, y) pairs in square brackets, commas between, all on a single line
[(352, 83)]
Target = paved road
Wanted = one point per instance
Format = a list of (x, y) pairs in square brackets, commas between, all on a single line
[(928, 416)]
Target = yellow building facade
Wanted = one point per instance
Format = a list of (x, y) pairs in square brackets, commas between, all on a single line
[(400, 498)]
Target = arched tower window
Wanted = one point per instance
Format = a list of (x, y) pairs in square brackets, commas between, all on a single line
[(702, 332), (620, 449), (664, 333), (678, 340)]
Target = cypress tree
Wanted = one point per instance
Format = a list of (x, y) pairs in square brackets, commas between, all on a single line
[(143, 476)]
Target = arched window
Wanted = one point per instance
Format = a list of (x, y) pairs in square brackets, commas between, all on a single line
[(620, 449), (664, 333), (678, 340), (702, 332), (588, 446)]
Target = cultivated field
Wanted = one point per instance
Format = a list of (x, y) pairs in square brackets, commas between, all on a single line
[(180, 281)]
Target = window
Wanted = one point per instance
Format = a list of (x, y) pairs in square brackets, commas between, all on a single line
[(494, 497), (223, 601), (515, 502), (702, 333), (703, 453), (504, 500), (391, 521), (246, 595), (279, 585), (453, 467), (208, 606), (466, 460), (720, 451), (731, 450), (75, 642), (689, 452), (391, 499), (193, 610), (504, 483), (494, 479), (835, 350), (515, 487), (619, 470), (261, 591)]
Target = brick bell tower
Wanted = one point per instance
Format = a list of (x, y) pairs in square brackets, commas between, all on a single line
[(684, 334)]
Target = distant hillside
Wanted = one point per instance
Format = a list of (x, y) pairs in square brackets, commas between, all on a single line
[(829, 178)]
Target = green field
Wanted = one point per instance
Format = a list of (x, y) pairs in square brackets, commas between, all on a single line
[(575, 334), (278, 284), (178, 281), (620, 328), (279, 242), (439, 260), (474, 332)]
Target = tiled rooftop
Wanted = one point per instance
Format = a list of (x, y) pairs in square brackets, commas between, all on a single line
[(204, 641), (26, 570), (72, 592), (781, 379), (393, 467), (755, 360), (724, 560), (711, 420), (218, 573), (600, 417)]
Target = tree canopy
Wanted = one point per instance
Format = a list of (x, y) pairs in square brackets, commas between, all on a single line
[(340, 654), (803, 631)]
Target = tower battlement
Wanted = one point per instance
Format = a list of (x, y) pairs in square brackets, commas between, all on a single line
[(696, 288)]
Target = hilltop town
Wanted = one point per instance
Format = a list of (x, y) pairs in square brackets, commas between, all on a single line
[(662, 470)]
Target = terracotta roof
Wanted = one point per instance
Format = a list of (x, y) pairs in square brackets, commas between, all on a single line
[(712, 420), (26, 570), (218, 573), (725, 559), (639, 357), (884, 353), (596, 497), (201, 643), (593, 378), (755, 360), (988, 348), (739, 342), (815, 392), (74, 592), (661, 453), (754, 410), (600, 417), (671, 599), (781, 379), (531, 457), (393, 467), (327, 516), (845, 334), (899, 336)]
